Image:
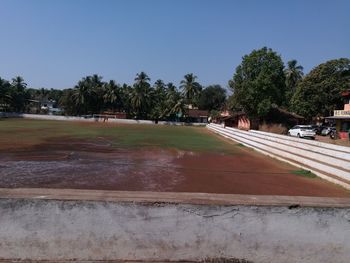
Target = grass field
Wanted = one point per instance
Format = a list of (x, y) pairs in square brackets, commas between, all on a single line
[(31, 132), (84, 155)]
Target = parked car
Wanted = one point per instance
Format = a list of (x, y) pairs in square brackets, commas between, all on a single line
[(302, 131), (327, 131)]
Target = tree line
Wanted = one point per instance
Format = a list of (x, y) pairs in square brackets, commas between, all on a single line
[(260, 83), (141, 100)]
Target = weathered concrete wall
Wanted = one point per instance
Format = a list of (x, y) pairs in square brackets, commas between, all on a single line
[(38, 226), (110, 120)]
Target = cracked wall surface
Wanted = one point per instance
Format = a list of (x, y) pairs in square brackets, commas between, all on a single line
[(98, 230)]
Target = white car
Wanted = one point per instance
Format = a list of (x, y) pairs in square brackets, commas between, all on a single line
[(302, 131)]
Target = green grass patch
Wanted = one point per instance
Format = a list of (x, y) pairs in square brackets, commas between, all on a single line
[(133, 135), (304, 173)]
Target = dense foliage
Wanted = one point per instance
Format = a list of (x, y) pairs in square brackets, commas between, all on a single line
[(212, 97), (92, 95), (319, 93), (260, 84)]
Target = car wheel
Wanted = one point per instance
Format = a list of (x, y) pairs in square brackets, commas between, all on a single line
[(298, 135), (288, 134)]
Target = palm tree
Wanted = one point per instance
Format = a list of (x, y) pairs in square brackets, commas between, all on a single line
[(18, 83), (5, 96), (294, 73), (159, 85), (111, 94), (178, 109), (18, 94), (83, 95), (170, 87), (141, 79), (141, 95), (175, 103), (158, 100), (190, 88), (125, 94), (140, 101)]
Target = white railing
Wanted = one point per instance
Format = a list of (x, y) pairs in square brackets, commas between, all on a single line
[(92, 118)]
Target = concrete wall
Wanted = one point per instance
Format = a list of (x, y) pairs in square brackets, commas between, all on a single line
[(328, 161), (110, 120), (97, 225)]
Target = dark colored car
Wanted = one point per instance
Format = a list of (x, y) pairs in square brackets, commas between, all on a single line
[(317, 128), (327, 131)]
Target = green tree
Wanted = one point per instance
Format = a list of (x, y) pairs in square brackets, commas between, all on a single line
[(190, 88), (179, 108), (142, 79), (158, 102), (294, 73), (18, 94), (141, 95), (85, 94), (212, 98), (68, 102), (112, 95), (319, 93), (258, 83), (5, 97), (125, 101), (172, 99)]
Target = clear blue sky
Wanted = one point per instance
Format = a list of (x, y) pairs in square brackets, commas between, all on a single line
[(53, 44)]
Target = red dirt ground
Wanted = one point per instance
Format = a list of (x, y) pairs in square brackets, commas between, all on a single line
[(78, 164)]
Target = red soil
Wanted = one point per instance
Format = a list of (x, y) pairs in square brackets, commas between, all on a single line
[(97, 165)]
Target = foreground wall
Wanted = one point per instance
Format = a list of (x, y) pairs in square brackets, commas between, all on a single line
[(105, 225)]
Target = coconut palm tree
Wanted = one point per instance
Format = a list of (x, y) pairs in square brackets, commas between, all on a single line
[(83, 95), (178, 109), (158, 101), (125, 94), (294, 73), (140, 101), (141, 95), (170, 87), (159, 86), (18, 83), (5, 97), (18, 94), (190, 88), (111, 95), (142, 79), (96, 80), (171, 98)]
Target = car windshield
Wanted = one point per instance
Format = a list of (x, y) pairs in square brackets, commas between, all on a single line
[(306, 127)]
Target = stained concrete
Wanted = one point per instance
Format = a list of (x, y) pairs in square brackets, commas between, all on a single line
[(36, 226)]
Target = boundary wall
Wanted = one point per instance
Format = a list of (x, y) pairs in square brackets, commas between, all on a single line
[(87, 225), (92, 119)]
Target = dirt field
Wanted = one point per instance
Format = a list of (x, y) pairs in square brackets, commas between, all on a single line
[(142, 157)]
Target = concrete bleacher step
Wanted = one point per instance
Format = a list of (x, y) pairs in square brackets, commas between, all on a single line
[(328, 163)]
